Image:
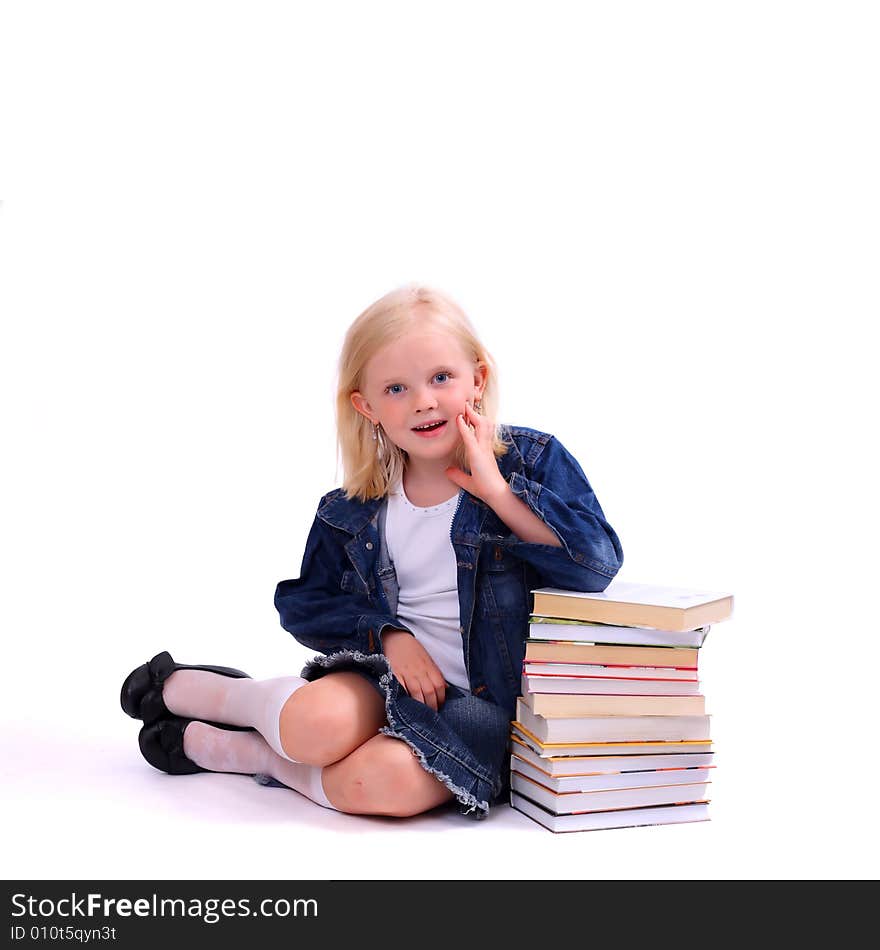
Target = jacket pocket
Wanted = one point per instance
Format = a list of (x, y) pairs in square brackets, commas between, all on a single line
[(503, 581), (388, 580)]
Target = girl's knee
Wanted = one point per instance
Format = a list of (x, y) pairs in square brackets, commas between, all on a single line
[(383, 777), (311, 729), (324, 721)]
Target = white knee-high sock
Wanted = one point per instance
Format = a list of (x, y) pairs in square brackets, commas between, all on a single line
[(220, 750), (198, 694)]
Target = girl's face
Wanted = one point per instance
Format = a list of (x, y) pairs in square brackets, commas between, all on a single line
[(424, 377)]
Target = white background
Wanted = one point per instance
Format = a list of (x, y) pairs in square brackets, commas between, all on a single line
[(663, 220)]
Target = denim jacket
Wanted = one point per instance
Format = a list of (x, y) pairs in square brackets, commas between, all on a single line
[(346, 594)]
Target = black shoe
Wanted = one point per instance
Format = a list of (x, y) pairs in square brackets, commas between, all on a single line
[(161, 744), (141, 695)]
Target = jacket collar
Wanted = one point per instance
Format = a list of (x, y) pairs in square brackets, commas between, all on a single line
[(348, 514)]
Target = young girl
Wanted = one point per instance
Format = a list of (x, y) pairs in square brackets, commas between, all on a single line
[(415, 587)]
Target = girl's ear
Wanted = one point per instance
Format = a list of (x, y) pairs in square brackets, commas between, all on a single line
[(362, 406), (481, 375)]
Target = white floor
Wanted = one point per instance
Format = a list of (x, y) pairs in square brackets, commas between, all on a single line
[(107, 814), (80, 803)]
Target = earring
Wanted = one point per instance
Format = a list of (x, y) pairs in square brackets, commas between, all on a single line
[(478, 405), (375, 431)]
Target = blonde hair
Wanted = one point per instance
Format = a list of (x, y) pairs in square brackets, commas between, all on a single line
[(371, 467)]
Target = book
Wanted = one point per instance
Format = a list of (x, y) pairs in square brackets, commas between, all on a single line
[(611, 728), (566, 803), (565, 651), (567, 705), (614, 747), (626, 603), (557, 766), (557, 628), (607, 747), (589, 670), (607, 685), (603, 781), (598, 820)]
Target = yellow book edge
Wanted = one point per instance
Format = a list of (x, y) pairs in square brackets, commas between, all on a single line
[(574, 758), (575, 745)]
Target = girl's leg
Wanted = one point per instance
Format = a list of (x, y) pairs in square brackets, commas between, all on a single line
[(317, 723), (383, 777), (328, 719), (220, 750)]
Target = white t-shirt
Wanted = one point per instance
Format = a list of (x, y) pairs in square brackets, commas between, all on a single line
[(420, 546)]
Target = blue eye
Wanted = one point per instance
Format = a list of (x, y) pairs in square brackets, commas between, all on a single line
[(396, 388)]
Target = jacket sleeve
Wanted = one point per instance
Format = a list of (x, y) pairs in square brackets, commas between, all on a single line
[(316, 609), (560, 495)]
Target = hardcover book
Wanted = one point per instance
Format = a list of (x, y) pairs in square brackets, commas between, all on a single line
[(570, 705), (611, 728), (566, 803), (581, 631), (607, 685), (626, 603), (612, 747), (605, 781), (598, 820), (558, 766), (566, 651), (591, 670)]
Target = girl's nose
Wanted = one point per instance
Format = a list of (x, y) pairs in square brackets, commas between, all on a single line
[(425, 400)]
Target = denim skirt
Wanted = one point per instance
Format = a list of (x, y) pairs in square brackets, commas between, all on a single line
[(465, 744)]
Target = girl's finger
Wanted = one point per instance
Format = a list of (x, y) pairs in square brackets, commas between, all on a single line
[(430, 696), (429, 678), (463, 425), (479, 422), (462, 479)]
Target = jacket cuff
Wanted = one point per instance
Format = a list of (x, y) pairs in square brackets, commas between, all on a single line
[(569, 568), (526, 489), (371, 627)]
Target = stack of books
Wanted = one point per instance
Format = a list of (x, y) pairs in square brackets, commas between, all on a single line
[(611, 729)]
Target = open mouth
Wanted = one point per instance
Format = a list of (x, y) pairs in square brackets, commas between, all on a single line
[(433, 429)]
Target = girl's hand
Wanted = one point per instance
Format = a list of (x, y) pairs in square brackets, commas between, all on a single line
[(485, 481), (415, 670)]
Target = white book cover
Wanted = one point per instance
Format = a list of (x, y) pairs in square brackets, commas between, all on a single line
[(567, 803), (579, 729), (609, 780), (576, 631), (591, 685), (650, 595)]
